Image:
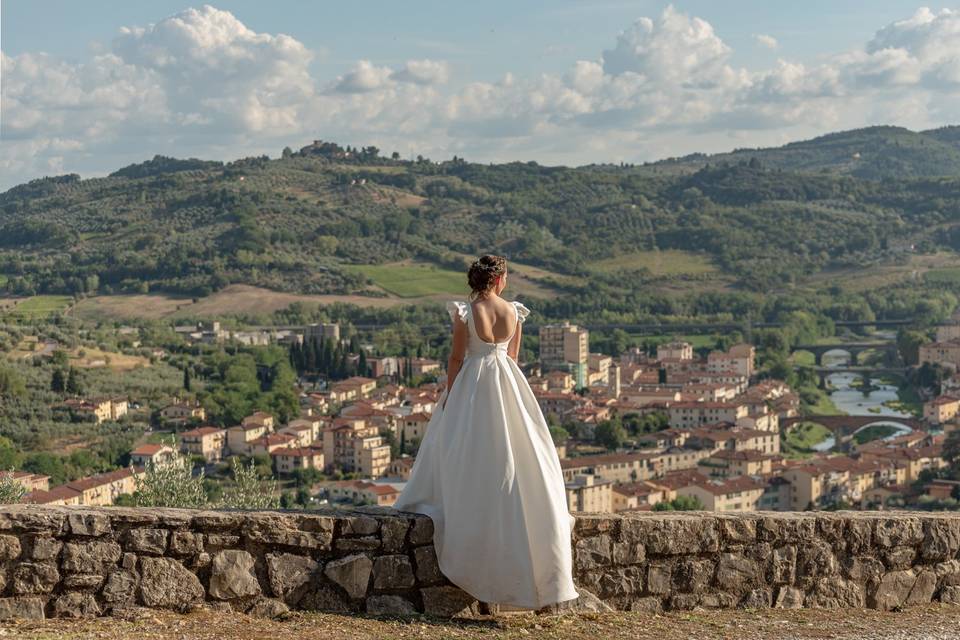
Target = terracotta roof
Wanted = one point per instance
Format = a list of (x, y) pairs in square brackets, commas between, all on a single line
[(604, 458), (298, 452), (62, 492), (731, 485), (149, 449)]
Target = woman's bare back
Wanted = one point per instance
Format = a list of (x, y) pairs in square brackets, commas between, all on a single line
[(494, 319)]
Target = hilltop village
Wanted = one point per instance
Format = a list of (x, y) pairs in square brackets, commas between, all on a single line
[(668, 428)]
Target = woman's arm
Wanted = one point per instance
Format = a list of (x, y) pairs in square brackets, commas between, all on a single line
[(458, 348), (513, 349)]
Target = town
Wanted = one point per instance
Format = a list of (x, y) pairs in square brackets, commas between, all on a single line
[(670, 427)]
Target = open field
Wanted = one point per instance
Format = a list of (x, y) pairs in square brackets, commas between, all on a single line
[(236, 299), (943, 266), (413, 279), (89, 358), (38, 307), (926, 622), (668, 262)]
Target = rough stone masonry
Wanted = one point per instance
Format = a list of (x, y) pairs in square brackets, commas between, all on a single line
[(80, 561)]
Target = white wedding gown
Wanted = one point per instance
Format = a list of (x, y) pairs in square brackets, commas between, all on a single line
[(488, 475)]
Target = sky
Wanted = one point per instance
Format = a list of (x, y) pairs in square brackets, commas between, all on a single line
[(90, 86)]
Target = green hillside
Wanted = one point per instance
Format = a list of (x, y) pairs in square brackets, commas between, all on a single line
[(871, 153), (618, 239)]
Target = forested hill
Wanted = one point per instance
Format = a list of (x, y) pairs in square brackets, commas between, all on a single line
[(303, 221), (872, 153)]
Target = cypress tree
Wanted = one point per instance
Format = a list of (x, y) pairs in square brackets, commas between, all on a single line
[(58, 383)]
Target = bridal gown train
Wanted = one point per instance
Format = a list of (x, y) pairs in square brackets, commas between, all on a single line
[(488, 475)]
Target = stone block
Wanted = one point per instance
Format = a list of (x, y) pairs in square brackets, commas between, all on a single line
[(90, 557), (788, 598), (268, 608), (232, 577), (120, 589), (393, 572), (393, 534), (428, 570), (186, 543), (44, 548), (735, 573), (289, 575), (89, 524), (592, 553), (34, 578), (9, 548), (447, 602), (359, 526), (422, 531), (76, 604), (149, 541), (21, 608), (167, 584), (366, 543), (352, 573), (388, 605), (895, 531)]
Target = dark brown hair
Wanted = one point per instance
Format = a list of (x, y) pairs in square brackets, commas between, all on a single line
[(483, 274)]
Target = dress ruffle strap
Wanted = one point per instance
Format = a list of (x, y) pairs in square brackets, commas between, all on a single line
[(522, 311), (458, 309)]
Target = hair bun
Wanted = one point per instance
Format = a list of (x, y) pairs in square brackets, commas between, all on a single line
[(483, 272)]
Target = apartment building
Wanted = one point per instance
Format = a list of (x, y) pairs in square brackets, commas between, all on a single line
[(587, 493), (566, 347), (208, 442)]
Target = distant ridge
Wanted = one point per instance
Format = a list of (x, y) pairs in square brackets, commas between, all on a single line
[(872, 153)]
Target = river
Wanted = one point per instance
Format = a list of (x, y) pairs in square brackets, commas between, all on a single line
[(853, 401)]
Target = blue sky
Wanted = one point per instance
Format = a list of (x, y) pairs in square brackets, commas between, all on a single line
[(89, 86)]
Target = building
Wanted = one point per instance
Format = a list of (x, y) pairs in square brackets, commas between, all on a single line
[(328, 330), (210, 443), (386, 366), (182, 412), (29, 481), (352, 445), (693, 414), (729, 494), (615, 467), (414, 426), (725, 463), (586, 493), (286, 461), (946, 354), (630, 496), (565, 347), (675, 350), (738, 359), (100, 409), (99, 490), (423, 366), (239, 438), (359, 492), (941, 409), (265, 445), (155, 454), (259, 419)]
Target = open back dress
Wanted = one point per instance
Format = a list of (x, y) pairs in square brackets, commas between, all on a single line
[(488, 474)]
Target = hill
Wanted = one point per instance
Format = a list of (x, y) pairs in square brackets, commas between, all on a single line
[(872, 153), (331, 220)]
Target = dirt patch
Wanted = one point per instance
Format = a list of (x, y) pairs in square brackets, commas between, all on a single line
[(927, 622)]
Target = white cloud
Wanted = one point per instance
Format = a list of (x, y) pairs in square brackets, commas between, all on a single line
[(203, 83), (765, 40)]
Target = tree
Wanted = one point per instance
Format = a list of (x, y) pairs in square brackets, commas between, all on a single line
[(11, 383), (247, 490), (187, 383), (73, 383), (610, 434), (951, 449), (58, 381), (11, 491), (171, 484)]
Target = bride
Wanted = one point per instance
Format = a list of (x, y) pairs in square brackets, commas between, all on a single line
[(487, 472)]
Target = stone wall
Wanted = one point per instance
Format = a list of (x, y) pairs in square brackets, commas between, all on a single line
[(78, 561)]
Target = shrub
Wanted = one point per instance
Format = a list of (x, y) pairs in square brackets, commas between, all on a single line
[(247, 490), (11, 491)]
